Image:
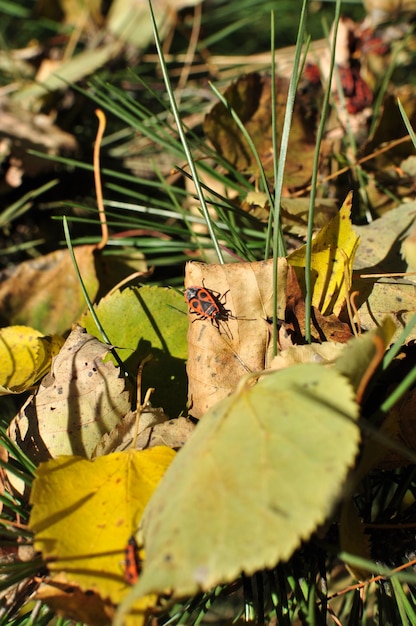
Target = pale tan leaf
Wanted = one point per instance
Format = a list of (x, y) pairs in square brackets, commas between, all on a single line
[(219, 356), (75, 405)]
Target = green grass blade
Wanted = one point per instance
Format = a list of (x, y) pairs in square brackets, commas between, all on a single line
[(86, 296), (407, 123), (180, 127), (279, 248), (315, 172), (401, 388), (24, 203)]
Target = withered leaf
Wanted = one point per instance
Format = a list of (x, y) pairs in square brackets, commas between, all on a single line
[(250, 97)]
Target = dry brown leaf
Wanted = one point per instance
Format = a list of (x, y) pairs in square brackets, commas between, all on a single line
[(71, 602), (219, 358), (45, 292), (323, 328), (121, 436), (25, 131), (173, 434), (250, 97)]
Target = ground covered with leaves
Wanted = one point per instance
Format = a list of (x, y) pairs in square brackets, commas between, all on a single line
[(207, 311)]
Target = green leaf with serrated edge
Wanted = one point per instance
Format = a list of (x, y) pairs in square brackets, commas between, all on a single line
[(262, 470), (143, 321)]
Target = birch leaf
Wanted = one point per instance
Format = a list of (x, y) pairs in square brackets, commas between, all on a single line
[(148, 321), (25, 356), (261, 472), (84, 512)]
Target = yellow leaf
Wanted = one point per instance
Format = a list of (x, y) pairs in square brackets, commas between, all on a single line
[(84, 513), (25, 356), (333, 249)]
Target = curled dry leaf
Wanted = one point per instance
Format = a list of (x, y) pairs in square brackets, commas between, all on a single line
[(173, 434), (251, 99), (121, 436), (73, 603), (220, 356), (323, 327), (81, 399), (333, 251)]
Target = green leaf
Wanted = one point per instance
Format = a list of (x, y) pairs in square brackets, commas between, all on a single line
[(261, 472), (143, 321)]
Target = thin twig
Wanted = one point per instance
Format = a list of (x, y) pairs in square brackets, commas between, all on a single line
[(97, 179)]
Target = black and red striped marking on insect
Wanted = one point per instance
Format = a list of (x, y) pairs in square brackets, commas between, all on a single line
[(208, 304), (132, 562)]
